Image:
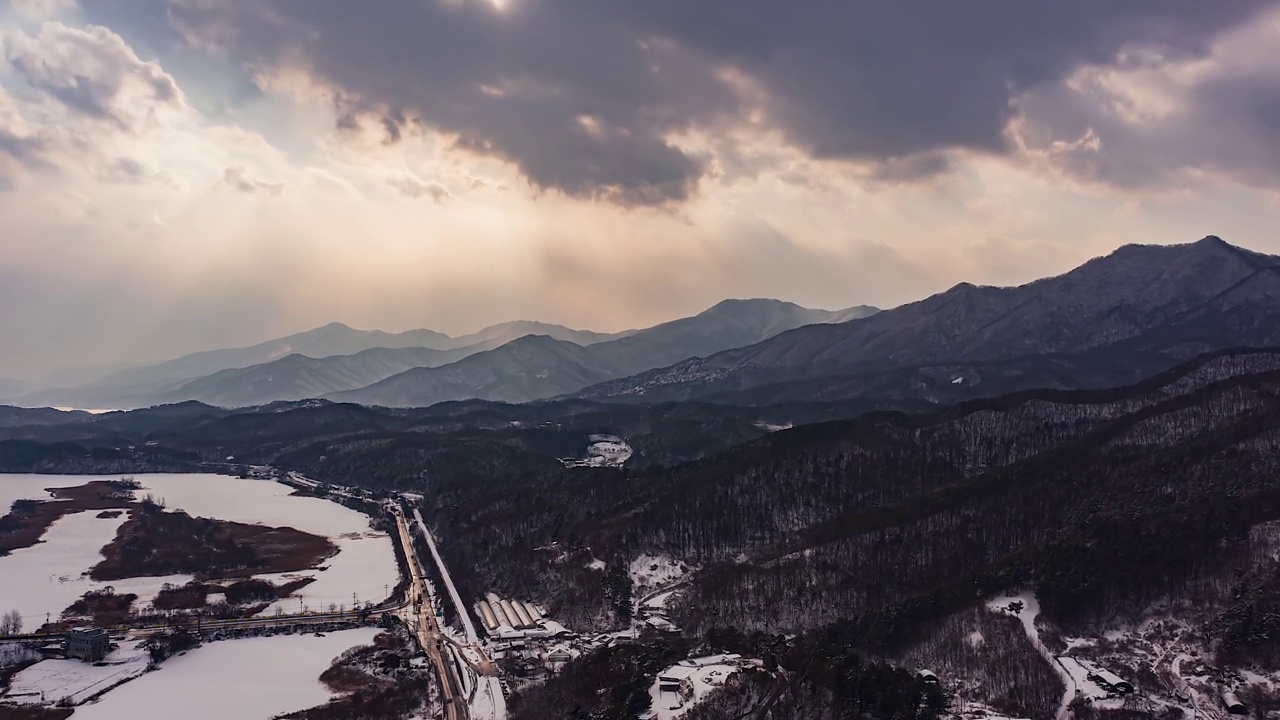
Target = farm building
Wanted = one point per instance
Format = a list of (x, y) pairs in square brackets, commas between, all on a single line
[(486, 615), (559, 657), (501, 615), (673, 678), (726, 659), (521, 614), (1111, 682), (1232, 703), (88, 643), (927, 676)]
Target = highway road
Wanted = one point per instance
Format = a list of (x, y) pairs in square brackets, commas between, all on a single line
[(428, 632)]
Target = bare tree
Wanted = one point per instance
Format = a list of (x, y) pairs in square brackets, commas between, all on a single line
[(11, 623)]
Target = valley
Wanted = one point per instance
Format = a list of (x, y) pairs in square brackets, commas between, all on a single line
[(927, 511)]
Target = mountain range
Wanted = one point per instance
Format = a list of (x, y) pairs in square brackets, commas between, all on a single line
[(517, 361), (1114, 319), (536, 367)]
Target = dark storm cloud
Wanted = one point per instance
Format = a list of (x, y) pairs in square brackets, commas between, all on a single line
[(582, 95), (876, 80), (1226, 122)]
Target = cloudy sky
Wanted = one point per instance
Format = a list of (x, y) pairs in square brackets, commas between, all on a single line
[(177, 175)]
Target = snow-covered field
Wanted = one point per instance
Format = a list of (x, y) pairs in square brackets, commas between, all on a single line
[(50, 681), (364, 566), (28, 487), (489, 703), (252, 678), (49, 576)]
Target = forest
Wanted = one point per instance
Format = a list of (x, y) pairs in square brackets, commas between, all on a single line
[(867, 541)]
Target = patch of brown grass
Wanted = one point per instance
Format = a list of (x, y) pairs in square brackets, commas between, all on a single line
[(344, 679), (155, 542), (106, 608), (28, 520)]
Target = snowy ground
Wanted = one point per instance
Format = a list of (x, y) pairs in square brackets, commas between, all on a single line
[(667, 705), (1026, 608), (489, 703), (655, 572), (364, 566), (28, 487), (658, 602), (1080, 675), (604, 451), (50, 681), (651, 576), (51, 572), (255, 678)]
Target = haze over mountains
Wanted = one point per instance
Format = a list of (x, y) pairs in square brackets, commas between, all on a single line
[(1113, 320), (537, 367), (516, 361)]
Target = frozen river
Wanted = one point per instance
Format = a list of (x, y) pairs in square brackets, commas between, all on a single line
[(254, 678), (47, 577)]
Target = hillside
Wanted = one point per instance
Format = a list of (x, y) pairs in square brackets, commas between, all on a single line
[(528, 369), (296, 377), (334, 359), (729, 324), (1154, 305), (890, 535)]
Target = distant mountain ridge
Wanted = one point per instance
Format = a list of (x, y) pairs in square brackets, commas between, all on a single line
[(540, 367), (336, 359), (1171, 302)]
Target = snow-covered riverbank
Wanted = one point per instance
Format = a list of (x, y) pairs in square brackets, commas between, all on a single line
[(52, 570), (250, 678)]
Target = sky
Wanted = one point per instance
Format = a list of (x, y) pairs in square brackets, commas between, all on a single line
[(179, 175)]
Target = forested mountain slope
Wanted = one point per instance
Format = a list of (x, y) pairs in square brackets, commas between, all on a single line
[(886, 521), (538, 367), (296, 377), (1152, 305)]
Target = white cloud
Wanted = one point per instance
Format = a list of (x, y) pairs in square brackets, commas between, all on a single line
[(41, 9), (238, 178), (412, 187), (92, 72)]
